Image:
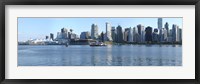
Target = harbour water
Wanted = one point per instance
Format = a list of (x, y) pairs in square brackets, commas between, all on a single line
[(111, 55)]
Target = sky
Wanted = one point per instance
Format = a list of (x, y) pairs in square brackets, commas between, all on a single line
[(38, 28)]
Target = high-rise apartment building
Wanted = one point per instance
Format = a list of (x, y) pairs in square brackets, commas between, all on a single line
[(141, 32), (130, 35), (108, 32), (159, 23), (51, 36), (119, 34), (155, 36), (94, 31), (175, 33), (167, 28), (148, 34), (64, 33), (113, 34), (85, 35)]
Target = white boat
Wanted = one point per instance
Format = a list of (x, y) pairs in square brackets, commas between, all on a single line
[(97, 44)]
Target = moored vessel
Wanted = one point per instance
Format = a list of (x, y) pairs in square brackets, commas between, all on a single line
[(97, 44)]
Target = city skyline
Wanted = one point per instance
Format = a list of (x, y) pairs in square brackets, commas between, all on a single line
[(38, 28), (115, 43)]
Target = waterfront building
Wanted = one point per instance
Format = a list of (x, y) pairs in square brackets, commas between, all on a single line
[(47, 37), (94, 31), (51, 36), (148, 34), (155, 36), (73, 36), (167, 28), (141, 32), (160, 23), (165, 33), (130, 35), (108, 32), (180, 35), (170, 36), (162, 35), (37, 41), (69, 35), (59, 35), (119, 34), (160, 29), (134, 34), (102, 37), (85, 35), (64, 33), (175, 33), (126, 34), (137, 36), (113, 34)]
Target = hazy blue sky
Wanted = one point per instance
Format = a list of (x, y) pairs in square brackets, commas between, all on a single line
[(32, 28)]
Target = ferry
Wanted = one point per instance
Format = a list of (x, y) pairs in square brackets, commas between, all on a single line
[(97, 44)]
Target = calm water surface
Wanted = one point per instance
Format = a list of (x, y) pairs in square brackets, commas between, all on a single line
[(84, 55)]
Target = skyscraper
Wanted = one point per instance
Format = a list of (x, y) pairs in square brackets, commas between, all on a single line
[(126, 34), (102, 37), (148, 34), (167, 28), (113, 34), (64, 33), (108, 32), (175, 33), (134, 34), (161, 34), (85, 35), (141, 32), (170, 36), (137, 37), (155, 36), (180, 35), (94, 31), (159, 23), (165, 37), (59, 35), (119, 34), (130, 35), (160, 29), (51, 36)]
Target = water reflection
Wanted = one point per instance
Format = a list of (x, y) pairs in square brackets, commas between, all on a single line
[(116, 55), (109, 56)]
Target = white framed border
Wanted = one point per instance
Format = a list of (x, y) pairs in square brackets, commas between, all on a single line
[(186, 71)]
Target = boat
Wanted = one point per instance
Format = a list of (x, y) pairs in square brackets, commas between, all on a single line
[(97, 44)]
